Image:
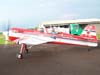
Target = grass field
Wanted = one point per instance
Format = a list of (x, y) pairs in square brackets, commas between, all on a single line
[(98, 36), (2, 39)]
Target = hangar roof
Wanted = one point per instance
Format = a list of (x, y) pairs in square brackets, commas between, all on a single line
[(66, 22)]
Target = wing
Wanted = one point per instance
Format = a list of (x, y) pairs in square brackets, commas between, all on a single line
[(35, 40)]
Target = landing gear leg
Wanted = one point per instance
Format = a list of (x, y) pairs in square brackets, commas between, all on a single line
[(22, 49), (25, 48)]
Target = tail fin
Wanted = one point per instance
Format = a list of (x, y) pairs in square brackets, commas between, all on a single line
[(89, 32)]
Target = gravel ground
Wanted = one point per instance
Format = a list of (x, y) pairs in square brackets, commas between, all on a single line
[(49, 59)]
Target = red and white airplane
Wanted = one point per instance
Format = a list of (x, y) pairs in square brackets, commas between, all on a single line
[(26, 37)]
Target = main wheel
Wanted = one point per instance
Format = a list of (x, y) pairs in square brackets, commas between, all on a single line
[(19, 56)]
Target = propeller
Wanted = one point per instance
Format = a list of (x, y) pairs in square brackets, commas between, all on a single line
[(6, 33)]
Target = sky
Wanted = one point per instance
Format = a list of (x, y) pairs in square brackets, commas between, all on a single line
[(30, 13)]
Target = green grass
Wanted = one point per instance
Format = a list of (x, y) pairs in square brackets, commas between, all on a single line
[(2, 39), (98, 36)]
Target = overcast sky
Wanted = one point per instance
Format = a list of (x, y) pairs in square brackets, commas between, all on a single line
[(32, 12)]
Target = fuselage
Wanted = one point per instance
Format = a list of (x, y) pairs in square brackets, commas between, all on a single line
[(58, 38)]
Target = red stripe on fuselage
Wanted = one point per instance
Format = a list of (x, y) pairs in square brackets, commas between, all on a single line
[(11, 38)]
